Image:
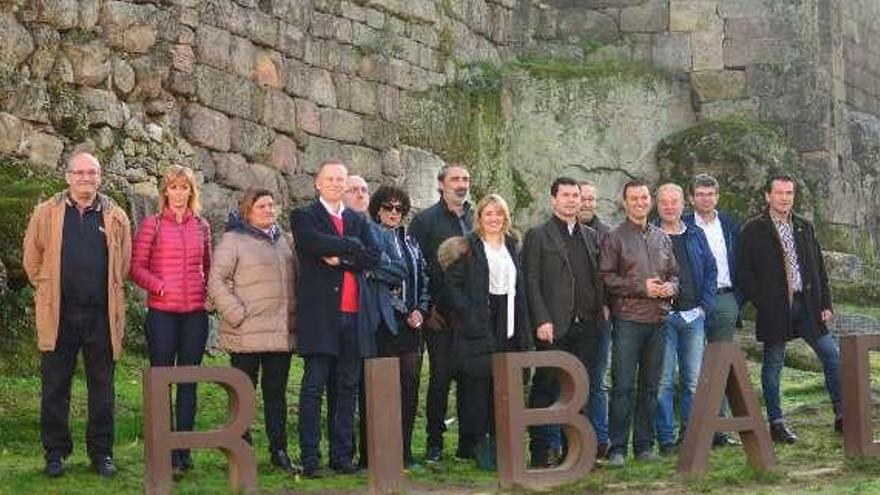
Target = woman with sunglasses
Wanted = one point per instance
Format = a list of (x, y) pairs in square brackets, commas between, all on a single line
[(399, 335), (484, 281)]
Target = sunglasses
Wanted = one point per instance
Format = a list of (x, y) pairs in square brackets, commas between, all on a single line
[(394, 208)]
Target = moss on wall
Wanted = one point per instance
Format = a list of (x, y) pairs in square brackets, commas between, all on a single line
[(68, 112)]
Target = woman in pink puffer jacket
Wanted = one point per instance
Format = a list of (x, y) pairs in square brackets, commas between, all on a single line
[(171, 257)]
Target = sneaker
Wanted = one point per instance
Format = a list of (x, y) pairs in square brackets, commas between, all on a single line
[(281, 460), (724, 440), (646, 456), (668, 449), (616, 460), (434, 454), (54, 467), (103, 465), (781, 434)]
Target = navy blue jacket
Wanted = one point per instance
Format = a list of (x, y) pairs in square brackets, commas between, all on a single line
[(730, 228), (319, 287), (702, 265)]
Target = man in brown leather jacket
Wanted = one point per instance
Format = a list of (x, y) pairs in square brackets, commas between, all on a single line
[(640, 275)]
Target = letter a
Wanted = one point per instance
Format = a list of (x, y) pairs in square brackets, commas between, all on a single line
[(858, 436), (512, 418), (724, 369), (160, 441)]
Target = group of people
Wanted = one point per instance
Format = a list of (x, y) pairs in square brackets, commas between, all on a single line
[(353, 282)]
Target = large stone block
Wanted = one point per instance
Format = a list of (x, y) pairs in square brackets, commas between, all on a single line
[(224, 14), (123, 76), (250, 139), (379, 134), (718, 85), (314, 84), (421, 169), (206, 127), (222, 91), (317, 151), (291, 40), (341, 125), (233, 170), (10, 133), (89, 62), (213, 46), (388, 101), (16, 43), (130, 27), (89, 13), (760, 27), (60, 14), (282, 154), (740, 53), (278, 110), (693, 15), (28, 100), (707, 49), (262, 28), (422, 10), (400, 73), (241, 55), (267, 69), (672, 51), (650, 17), (104, 107), (747, 108), (307, 117), (182, 58), (42, 150), (363, 96)]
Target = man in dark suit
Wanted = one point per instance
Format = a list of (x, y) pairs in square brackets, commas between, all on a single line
[(781, 272), (333, 245), (565, 299)]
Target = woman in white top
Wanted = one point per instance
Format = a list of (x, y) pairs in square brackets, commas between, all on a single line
[(482, 273)]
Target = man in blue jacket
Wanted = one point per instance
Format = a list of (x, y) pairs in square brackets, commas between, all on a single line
[(683, 330), (722, 232), (333, 245)]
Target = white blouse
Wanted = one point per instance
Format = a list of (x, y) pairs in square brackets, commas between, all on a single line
[(502, 278)]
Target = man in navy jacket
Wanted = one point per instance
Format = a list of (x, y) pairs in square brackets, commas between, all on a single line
[(333, 245)]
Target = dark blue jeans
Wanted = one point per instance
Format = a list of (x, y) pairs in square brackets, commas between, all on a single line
[(276, 369), (318, 367), (636, 354), (178, 339), (774, 357)]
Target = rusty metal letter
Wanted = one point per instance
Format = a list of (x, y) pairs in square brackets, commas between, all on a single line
[(724, 369), (159, 440), (512, 418), (384, 428), (855, 377)]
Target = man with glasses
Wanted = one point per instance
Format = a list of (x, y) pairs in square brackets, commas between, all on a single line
[(77, 252)]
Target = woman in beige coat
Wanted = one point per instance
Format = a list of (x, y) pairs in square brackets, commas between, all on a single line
[(252, 285)]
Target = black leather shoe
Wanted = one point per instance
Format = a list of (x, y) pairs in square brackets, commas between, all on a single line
[(434, 454), (724, 440), (346, 468), (838, 425), (602, 451), (54, 467), (781, 434), (103, 465), (281, 460), (312, 470)]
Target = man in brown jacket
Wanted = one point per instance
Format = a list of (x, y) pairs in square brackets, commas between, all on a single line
[(640, 275), (77, 251)]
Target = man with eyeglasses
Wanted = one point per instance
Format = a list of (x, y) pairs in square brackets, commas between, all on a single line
[(77, 252)]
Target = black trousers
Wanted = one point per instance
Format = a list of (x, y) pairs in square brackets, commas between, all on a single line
[(178, 339), (410, 370), (276, 369), (87, 329), (439, 345)]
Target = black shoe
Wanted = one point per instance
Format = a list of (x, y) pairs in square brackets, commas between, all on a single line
[(434, 454), (346, 467), (724, 440), (281, 460), (668, 449), (838, 425), (54, 467), (602, 450), (781, 434), (465, 453), (312, 470), (103, 465)]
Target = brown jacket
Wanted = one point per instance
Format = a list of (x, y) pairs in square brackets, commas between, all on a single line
[(253, 286), (42, 262), (630, 256)]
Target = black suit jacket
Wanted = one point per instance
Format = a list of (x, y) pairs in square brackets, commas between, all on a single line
[(319, 287), (550, 279)]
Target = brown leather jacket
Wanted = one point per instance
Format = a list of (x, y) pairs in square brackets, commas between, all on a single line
[(631, 255)]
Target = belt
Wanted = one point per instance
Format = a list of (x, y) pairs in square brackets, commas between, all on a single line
[(724, 290)]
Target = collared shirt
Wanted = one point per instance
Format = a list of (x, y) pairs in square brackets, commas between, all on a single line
[(786, 237), (502, 270), (84, 256), (329, 208), (718, 246)]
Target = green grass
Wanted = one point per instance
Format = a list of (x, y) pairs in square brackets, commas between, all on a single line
[(814, 465)]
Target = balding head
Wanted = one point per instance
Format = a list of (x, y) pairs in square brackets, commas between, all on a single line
[(82, 157), (357, 194), (83, 175)]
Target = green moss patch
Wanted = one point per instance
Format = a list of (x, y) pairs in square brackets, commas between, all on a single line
[(68, 112)]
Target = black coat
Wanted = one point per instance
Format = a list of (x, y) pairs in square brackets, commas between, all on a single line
[(475, 337), (761, 276), (549, 279), (319, 287)]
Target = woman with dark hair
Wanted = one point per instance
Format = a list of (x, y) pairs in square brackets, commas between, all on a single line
[(253, 287), (403, 307), (171, 257), (483, 275)]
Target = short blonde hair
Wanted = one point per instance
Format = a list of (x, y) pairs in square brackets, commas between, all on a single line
[(669, 186), (487, 201), (175, 174)]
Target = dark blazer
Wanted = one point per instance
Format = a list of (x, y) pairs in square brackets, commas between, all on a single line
[(549, 279), (761, 274), (376, 293), (475, 338), (730, 228), (319, 287), (702, 265)]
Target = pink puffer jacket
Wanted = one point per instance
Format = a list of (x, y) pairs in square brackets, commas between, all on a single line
[(172, 260)]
